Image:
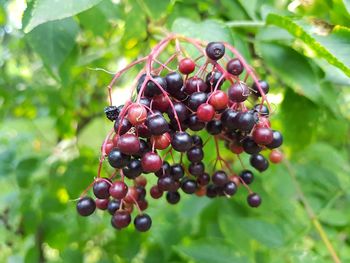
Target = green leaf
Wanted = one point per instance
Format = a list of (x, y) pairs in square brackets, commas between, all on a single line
[(208, 30), (210, 251), (334, 217), (53, 41), (293, 68), (25, 169), (333, 47), (50, 10)]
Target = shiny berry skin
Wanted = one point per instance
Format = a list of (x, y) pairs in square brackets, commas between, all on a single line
[(218, 100), (229, 119), (205, 112), (113, 205), (141, 192), (144, 147), (263, 110), (152, 88), (238, 92), (180, 109), (235, 67), (189, 186), (215, 50), (177, 171), (165, 183), (145, 101), (129, 144), (142, 222), (155, 192), (117, 159), (263, 85), (132, 195), (196, 169), (101, 188), (254, 200), (247, 176), (263, 135), (194, 123), (181, 141), (276, 141), (187, 66), (250, 146), (276, 156), (245, 121), (156, 124), (151, 162), (141, 181), (161, 142), (118, 190), (164, 170), (197, 141), (174, 81), (195, 84), (211, 191), (133, 169), (219, 178), (102, 204), (203, 179), (230, 188), (213, 78), (86, 206), (136, 114), (196, 99), (173, 197), (259, 162), (214, 127), (124, 125), (160, 102), (195, 154), (121, 219)]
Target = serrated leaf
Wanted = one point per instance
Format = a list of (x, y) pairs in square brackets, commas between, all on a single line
[(50, 10), (210, 251), (331, 47), (53, 41)]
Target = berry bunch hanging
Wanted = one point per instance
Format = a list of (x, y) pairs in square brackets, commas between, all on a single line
[(170, 117)]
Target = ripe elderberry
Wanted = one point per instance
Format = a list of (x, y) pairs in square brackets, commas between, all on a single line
[(174, 127)]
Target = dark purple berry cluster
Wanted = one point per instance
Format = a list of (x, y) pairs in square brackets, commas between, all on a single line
[(156, 133)]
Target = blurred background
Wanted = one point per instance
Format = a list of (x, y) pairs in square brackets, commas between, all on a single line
[(52, 95)]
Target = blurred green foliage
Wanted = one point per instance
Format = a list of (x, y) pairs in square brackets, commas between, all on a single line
[(52, 125)]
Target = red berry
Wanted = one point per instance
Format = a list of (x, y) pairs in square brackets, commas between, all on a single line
[(187, 66), (205, 112), (155, 192), (108, 147), (137, 114), (129, 144), (161, 103), (102, 203), (276, 156), (118, 190), (263, 135), (161, 142), (219, 100), (235, 148), (263, 122), (132, 195), (151, 162)]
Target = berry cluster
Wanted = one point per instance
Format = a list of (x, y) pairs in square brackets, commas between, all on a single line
[(156, 132)]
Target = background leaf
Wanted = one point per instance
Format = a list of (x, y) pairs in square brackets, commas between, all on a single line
[(50, 10)]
